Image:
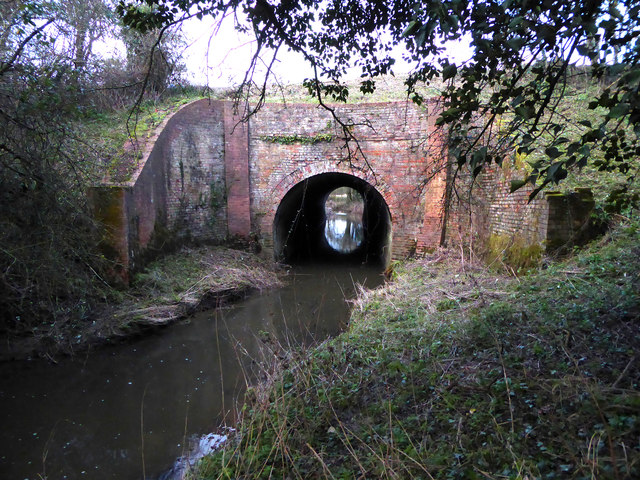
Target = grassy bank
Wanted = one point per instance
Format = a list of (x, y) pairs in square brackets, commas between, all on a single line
[(453, 372), (168, 290)]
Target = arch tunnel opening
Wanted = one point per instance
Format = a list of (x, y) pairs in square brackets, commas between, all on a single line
[(299, 227)]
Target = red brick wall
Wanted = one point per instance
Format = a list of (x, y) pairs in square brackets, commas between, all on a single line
[(483, 207), (236, 160), (207, 177), (396, 140), (511, 213)]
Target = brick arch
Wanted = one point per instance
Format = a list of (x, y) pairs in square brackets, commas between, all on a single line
[(288, 144), (298, 222), (305, 172)]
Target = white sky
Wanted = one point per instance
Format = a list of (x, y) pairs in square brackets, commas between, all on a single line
[(229, 55), (222, 60)]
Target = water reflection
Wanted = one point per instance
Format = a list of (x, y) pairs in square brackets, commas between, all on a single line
[(343, 231), (117, 413)]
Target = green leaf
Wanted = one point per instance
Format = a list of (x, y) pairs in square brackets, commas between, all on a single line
[(515, 22), (553, 152), (548, 33), (479, 157), (556, 172), (524, 111), (585, 150), (619, 110), (573, 148), (516, 185), (449, 71), (614, 12), (411, 29), (423, 34), (632, 76), (516, 43)]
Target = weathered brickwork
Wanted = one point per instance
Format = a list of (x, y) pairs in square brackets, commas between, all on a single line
[(511, 213), (209, 177), (195, 159), (236, 158), (393, 138), (550, 220), (570, 221), (178, 191)]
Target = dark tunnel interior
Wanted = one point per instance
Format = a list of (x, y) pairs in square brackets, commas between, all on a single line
[(299, 223)]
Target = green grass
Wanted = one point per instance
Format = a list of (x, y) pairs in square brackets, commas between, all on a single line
[(388, 89), (452, 372), (168, 289), (109, 131)]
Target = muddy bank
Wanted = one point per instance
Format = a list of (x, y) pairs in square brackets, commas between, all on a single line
[(169, 290)]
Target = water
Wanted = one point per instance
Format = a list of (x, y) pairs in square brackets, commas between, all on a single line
[(128, 411), (344, 232)]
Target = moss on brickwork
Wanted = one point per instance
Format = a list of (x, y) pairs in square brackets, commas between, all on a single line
[(217, 194), (514, 252), (108, 210), (302, 139), (570, 220), (108, 207)]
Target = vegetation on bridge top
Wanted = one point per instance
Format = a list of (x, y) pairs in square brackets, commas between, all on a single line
[(121, 135)]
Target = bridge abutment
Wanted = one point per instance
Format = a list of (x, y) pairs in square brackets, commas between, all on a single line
[(208, 177)]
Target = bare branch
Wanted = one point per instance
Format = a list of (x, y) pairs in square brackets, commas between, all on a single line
[(8, 65)]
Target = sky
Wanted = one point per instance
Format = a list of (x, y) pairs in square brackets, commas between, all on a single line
[(222, 60)]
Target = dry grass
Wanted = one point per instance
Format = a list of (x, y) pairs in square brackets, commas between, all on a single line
[(453, 372), (190, 280), (168, 290)]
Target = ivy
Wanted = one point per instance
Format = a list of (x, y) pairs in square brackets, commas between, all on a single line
[(300, 139)]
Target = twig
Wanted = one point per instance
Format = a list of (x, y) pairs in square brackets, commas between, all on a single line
[(324, 465), (6, 66), (624, 372)]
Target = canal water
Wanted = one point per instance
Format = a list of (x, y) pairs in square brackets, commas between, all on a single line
[(127, 412), (344, 231)]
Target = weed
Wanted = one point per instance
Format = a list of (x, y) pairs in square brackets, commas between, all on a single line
[(453, 372), (299, 139)]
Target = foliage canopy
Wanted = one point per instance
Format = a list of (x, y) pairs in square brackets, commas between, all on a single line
[(524, 54)]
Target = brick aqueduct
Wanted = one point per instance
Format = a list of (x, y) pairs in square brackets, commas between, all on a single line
[(206, 176)]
